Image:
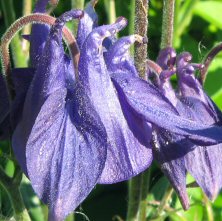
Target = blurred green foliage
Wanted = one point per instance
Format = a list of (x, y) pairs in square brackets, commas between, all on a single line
[(198, 27)]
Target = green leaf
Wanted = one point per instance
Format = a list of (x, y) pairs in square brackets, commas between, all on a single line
[(210, 11)]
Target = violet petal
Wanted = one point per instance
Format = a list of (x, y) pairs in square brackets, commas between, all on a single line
[(153, 107), (124, 148)]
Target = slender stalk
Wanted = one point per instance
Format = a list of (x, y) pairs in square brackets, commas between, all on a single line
[(11, 185), (135, 186), (111, 10), (144, 192), (131, 21), (138, 186), (27, 9), (21, 213), (208, 59), (167, 24), (132, 17), (208, 207), (141, 26), (164, 202), (19, 58), (77, 4)]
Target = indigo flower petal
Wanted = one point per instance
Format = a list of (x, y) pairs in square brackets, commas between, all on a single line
[(118, 56), (22, 78), (87, 23), (169, 151), (166, 58), (153, 107), (64, 137), (203, 163), (38, 34), (123, 147), (69, 161), (40, 6), (44, 83)]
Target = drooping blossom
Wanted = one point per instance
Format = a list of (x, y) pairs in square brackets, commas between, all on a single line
[(176, 154)]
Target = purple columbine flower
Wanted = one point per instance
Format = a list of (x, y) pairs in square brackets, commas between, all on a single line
[(203, 163), (64, 138), (175, 153), (117, 63)]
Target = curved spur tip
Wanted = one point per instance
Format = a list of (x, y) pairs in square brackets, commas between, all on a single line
[(54, 2), (202, 66), (173, 69), (184, 201), (94, 2), (121, 21), (145, 40), (140, 39), (82, 14)]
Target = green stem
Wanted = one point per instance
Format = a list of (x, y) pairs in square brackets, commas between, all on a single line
[(77, 4), (27, 9), (111, 10), (19, 58), (132, 17), (141, 26), (138, 186), (11, 185), (164, 202), (138, 190), (167, 23), (144, 193), (208, 207), (21, 213), (135, 185)]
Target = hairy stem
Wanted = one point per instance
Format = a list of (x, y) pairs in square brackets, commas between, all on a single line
[(164, 202), (207, 61), (208, 208), (18, 25), (167, 23), (144, 192), (141, 26), (135, 186), (138, 186)]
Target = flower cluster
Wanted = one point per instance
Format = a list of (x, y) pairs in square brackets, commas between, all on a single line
[(88, 118)]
